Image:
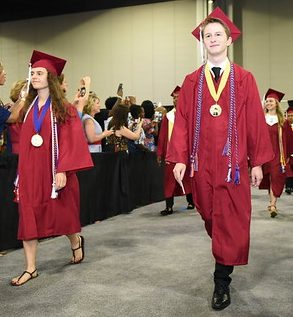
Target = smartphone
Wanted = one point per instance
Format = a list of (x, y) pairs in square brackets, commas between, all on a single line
[(120, 90)]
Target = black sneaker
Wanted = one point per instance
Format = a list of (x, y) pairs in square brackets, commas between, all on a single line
[(190, 206), (166, 212)]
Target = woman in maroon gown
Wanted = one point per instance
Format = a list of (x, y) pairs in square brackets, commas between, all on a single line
[(274, 171), (47, 189)]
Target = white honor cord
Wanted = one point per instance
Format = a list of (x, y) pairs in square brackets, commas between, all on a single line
[(202, 51), (29, 78), (55, 151)]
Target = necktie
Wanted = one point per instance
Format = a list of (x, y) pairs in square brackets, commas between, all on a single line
[(216, 71)]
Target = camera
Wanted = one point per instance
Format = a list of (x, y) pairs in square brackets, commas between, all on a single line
[(158, 116)]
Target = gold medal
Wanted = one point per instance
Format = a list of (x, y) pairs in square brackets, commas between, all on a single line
[(36, 140), (215, 110)]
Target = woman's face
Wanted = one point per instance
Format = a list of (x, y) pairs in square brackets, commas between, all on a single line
[(2, 77), (271, 104), (96, 107), (39, 78)]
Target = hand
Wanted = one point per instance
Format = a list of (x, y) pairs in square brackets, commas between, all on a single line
[(159, 160), (179, 171), (139, 122), (60, 180), (86, 80), (132, 100), (107, 133), (256, 176)]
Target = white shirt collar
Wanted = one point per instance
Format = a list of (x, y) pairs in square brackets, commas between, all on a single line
[(222, 65), (271, 119)]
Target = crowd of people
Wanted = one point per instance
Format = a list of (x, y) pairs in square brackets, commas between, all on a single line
[(216, 141)]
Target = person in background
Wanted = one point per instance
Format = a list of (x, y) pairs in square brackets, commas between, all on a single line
[(82, 94), (9, 113), (4, 112), (274, 171), (110, 102), (219, 123), (92, 128), (118, 141), (136, 115), (160, 112), (289, 134), (148, 125), (17, 95), (171, 187), (46, 188)]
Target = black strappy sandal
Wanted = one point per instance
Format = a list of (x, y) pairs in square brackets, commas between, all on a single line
[(16, 283), (81, 246)]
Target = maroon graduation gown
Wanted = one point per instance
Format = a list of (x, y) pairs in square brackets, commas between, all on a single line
[(40, 215), (272, 173), (289, 142), (225, 207), (171, 186)]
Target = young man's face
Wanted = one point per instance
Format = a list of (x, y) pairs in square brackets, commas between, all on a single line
[(215, 39), (290, 117)]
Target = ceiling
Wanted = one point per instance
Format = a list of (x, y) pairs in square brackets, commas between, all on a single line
[(27, 9)]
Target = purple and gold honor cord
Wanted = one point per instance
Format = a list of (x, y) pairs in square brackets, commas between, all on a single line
[(232, 134)]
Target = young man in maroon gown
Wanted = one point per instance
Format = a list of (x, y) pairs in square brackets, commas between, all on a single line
[(52, 148), (171, 187), (219, 128)]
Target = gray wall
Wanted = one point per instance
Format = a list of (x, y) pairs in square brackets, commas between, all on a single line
[(150, 47), (267, 43)]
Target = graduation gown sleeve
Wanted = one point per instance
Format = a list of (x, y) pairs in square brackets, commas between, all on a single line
[(74, 154), (259, 147)]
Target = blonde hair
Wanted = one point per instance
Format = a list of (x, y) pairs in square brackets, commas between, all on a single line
[(16, 88), (280, 114), (161, 109), (92, 98)]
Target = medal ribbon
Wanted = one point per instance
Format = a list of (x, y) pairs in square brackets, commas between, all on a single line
[(223, 82), (38, 120)]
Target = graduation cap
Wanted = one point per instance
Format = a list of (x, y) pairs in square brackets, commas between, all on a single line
[(175, 91), (220, 15), (290, 108), (52, 63), (272, 93)]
